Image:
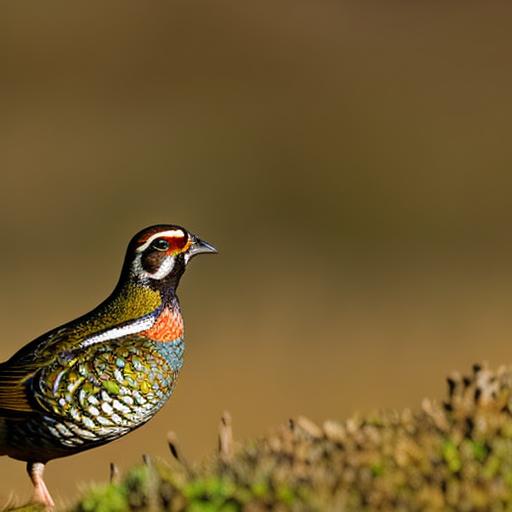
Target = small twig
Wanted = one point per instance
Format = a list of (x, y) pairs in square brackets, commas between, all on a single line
[(225, 437), (11, 502), (152, 484), (172, 441), (309, 427), (114, 473)]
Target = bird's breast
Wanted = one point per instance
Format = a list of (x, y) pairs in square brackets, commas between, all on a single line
[(167, 327), (111, 390)]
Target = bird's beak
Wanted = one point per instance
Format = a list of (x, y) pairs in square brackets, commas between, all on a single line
[(200, 247)]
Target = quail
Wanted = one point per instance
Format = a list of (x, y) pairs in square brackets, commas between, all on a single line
[(97, 378)]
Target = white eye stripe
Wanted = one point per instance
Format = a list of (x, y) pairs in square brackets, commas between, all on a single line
[(177, 233)]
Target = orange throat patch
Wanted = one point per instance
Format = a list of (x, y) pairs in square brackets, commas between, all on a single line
[(167, 327)]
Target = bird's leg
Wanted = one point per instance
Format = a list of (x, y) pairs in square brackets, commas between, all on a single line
[(41, 494)]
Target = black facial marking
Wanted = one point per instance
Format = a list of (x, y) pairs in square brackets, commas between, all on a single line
[(168, 284), (151, 260)]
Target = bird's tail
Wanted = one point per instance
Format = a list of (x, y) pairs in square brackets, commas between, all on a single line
[(3, 435)]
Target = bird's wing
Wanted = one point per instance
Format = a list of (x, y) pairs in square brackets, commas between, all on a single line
[(110, 386), (14, 398), (48, 375), (17, 373)]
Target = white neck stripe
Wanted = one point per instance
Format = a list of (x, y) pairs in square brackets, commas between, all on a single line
[(118, 332)]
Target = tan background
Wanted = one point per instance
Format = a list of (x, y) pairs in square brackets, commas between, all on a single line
[(351, 160)]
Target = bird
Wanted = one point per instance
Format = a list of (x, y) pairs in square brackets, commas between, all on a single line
[(94, 379)]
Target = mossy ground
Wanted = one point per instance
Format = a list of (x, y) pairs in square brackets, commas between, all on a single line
[(453, 456)]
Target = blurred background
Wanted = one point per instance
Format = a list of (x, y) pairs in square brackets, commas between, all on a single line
[(351, 160)]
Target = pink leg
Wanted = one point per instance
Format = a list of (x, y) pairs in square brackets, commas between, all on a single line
[(41, 495)]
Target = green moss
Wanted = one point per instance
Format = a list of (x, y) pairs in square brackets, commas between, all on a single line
[(28, 508), (479, 450), (260, 489), (213, 488), (107, 498), (451, 456), (444, 457), (285, 495), (377, 469)]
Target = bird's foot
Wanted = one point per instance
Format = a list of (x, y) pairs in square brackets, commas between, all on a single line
[(41, 494)]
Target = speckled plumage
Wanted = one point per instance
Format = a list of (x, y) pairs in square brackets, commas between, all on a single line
[(101, 376)]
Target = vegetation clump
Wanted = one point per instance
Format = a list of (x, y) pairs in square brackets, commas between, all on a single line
[(452, 456)]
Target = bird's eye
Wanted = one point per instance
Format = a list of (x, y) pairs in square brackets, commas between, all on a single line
[(160, 244)]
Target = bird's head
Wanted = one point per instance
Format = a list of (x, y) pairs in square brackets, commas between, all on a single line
[(157, 256)]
